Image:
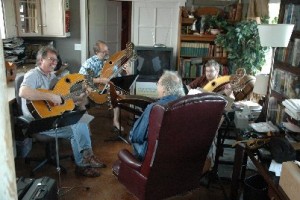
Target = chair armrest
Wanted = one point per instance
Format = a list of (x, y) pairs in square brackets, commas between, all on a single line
[(23, 121), (126, 157)]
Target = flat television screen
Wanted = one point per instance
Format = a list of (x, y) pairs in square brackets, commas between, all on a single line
[(152, 61)]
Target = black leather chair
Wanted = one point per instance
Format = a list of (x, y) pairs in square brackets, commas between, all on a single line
[(22, 123)]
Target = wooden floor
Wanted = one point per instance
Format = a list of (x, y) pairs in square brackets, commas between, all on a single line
[(105, 187)]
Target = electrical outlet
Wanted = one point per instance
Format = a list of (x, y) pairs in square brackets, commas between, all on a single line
[(77, 47)]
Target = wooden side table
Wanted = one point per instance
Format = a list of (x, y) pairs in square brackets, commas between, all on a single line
[(239, 170)]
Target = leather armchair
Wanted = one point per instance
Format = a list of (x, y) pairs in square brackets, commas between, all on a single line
[(179, 138)]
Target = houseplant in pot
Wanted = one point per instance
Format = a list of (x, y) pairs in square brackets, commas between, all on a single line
[(215, 24), (242, 44)]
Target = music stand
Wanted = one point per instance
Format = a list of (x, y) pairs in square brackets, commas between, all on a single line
[(53, 123), (125, 83)]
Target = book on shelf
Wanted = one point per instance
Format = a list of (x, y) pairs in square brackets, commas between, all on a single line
[(280, 113), (292, 15), (194, 49), (278, 81), (292, 85), (295, 57)]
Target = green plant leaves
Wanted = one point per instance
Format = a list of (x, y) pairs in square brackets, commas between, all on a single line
[(243, 46)]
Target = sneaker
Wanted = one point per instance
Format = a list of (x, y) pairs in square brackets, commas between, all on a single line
[(94, 162), (87, 171)]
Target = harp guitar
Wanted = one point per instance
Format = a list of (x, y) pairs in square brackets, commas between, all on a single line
[(99, 94), (67, 87), (241, 84)]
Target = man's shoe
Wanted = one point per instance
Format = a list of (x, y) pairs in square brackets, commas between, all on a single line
[(93, 162), (87, 171)]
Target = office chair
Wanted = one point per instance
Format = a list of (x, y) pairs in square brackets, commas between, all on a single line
[(22, 123)]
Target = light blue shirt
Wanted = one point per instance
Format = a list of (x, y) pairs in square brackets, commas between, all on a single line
[(96, 65)]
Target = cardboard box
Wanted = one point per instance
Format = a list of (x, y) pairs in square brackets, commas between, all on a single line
[(290, 180)]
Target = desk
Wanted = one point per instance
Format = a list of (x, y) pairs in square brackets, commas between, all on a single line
[(239, 169)]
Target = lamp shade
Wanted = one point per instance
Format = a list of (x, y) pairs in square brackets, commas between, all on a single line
[(261, 84), (275, 35)]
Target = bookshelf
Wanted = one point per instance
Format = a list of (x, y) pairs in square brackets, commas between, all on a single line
[(286, 73), (194, 49)]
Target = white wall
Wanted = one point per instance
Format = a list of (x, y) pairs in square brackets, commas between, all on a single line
[(156, 22)]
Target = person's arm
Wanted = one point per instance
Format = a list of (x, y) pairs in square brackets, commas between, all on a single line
[(228, 91), (139, 131), (100, 80), (29, 93), (196, 83)]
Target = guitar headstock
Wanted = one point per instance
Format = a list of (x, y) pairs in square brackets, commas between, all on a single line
[(236, 80), (130, 53)]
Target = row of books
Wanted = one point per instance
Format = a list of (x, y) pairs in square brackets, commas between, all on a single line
[(292, 15), (281, 112), (192, 69), (286, 83), (290, 54), (199, 49)]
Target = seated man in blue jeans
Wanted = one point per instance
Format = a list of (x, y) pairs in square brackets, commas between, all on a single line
[(169, 88), (79, 134)]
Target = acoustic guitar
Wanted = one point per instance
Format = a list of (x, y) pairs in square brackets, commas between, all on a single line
[(67, 87), (241, 84), (99, 94)]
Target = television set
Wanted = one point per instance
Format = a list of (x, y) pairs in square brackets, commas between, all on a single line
[(152, 61)]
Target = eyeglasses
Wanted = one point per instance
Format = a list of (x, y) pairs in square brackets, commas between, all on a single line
[(104, 52), (210, 71), (52, 59)]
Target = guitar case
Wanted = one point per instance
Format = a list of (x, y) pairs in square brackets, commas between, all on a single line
[(42, 188), (23, 184)]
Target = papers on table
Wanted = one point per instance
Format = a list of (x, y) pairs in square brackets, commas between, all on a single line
[(275, 167), (264, 127)]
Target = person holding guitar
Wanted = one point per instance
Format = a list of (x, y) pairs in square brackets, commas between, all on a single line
[(40, 78), (212, 69), (96, 64)]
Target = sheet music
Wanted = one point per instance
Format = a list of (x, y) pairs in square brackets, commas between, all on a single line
[(275, 167), (86, 118), (264, 127)]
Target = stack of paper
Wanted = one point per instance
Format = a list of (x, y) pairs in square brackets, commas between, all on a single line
[(292, 108)]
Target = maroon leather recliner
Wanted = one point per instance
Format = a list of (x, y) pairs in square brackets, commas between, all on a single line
[(180, 136)]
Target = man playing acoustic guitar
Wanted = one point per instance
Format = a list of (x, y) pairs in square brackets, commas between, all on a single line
[(79, 134), (212, 69), (96, 64)]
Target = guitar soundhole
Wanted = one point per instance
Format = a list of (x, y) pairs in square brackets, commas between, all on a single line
[(213, 83), (110, 62), (68, 80)]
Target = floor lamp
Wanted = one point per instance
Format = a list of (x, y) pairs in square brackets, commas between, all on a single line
[(273, 35)]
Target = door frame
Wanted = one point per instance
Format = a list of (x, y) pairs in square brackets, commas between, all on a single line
[(126, 31)]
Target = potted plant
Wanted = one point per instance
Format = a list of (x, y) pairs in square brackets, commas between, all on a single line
[(242, 44), (215, 22)]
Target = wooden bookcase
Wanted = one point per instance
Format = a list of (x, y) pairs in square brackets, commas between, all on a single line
[(286, 73), (196, 48)]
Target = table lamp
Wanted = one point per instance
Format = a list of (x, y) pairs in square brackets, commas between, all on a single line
[(260, 88), (273, 35)]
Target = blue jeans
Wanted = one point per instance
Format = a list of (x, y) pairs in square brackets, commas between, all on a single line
[(79, 134)]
